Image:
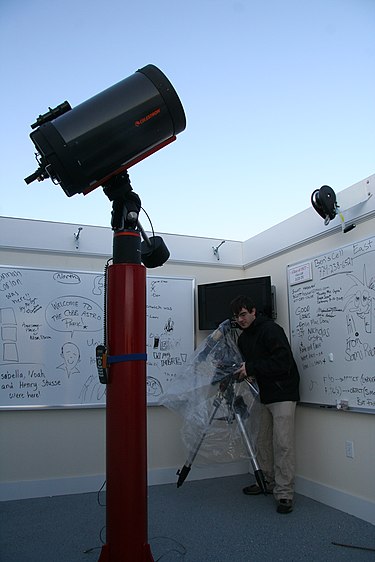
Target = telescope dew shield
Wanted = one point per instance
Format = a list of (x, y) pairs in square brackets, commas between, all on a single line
[(106, 134)]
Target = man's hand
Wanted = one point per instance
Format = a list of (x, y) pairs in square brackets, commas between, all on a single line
[(241, 373)]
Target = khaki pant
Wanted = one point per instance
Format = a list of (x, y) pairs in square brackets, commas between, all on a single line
[(275, 447)]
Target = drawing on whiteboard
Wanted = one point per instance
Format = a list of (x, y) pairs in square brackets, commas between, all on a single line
[(312, 384), (98, 288), (169, 325), (71, 357), (92, 390), (8, 335), (51, 322), (67, 278), (361, 299), (333, 327), (167, 358), (71, 313), (153, 387)]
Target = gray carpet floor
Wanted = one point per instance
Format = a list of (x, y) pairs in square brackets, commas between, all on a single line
[(203, 521)]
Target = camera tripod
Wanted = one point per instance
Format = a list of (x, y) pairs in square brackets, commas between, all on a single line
[(237, 410)]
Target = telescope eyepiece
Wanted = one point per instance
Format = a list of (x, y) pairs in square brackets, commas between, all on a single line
[(39, 174)]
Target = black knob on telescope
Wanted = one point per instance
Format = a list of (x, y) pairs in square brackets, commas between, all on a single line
[(154, 252)]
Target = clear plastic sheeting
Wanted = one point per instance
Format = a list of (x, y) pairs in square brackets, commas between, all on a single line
[(208, 396)]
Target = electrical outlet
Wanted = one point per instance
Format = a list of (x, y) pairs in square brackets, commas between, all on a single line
[(349, 449)]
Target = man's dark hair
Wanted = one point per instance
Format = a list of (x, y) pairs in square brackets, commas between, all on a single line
[(242, 301)]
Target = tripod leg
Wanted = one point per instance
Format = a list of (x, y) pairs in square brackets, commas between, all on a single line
[(239, 410), (184, 471)]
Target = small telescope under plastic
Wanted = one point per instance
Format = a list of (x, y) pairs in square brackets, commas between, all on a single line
[(82, 148)]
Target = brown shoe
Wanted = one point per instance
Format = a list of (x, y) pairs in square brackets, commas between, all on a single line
[(255, 490), (284, 506)]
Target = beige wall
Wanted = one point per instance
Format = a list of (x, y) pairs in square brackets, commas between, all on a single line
[(321, 434), (48, 445), (63, 443)]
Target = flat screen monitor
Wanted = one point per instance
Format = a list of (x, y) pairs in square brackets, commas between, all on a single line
[(214, 299)]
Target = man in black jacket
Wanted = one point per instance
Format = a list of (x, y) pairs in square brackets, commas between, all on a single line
[(269, 360)]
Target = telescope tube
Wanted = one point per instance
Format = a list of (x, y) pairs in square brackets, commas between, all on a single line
[(86, 145)]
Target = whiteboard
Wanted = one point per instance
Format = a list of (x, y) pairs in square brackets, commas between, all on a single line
[(332, 326), (51, 322)]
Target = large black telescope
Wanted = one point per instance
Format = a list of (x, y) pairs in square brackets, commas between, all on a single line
[(84, 147), (80, 149)]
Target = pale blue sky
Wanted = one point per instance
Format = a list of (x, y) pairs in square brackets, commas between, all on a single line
[(279, 98)]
